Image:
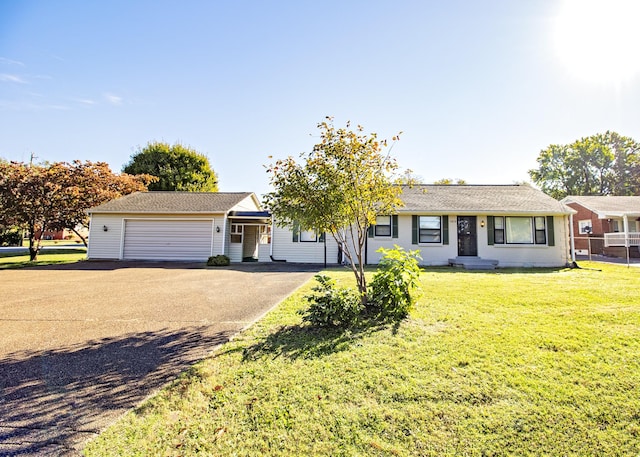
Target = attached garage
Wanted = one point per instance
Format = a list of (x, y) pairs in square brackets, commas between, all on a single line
[(167, 239), (178, 226)]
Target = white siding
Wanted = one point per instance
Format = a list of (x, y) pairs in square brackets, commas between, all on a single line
[(108, 245), (432, 254), (284, 248), (104, 245), (235, 252), (167, 239), (512, 255), (507, 255)]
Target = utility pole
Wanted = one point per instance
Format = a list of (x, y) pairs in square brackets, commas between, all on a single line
[(33, 156)]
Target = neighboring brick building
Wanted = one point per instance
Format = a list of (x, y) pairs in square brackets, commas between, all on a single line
[(605, 224)]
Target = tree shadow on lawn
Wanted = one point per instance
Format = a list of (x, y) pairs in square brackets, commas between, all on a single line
[(306, 341), (53, 401)]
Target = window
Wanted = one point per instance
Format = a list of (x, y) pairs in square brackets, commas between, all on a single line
[(430, 229), (308, 236), (540, 232), (615, 225), (383, 226), (265, 234), (236, 233), (519, 230), (584, 227), (499, 230)]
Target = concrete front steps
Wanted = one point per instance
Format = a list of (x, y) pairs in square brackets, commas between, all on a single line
[(473, 263)]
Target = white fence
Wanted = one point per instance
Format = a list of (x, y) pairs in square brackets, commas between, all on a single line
[(622, 239)]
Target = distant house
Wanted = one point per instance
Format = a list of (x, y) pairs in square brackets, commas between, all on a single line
[(606, 224), (180, 226), (473, 225)]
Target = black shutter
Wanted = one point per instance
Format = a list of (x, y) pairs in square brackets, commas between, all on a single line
[(491, 230), (414, 229), (394, 226), (445, 229), (551, 240), (370, 231), (322, 237)]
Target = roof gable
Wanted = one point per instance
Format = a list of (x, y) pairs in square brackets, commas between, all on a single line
[(178, 202), (471, 199)]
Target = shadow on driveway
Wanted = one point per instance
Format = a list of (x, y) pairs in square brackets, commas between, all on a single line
[(52, 401)]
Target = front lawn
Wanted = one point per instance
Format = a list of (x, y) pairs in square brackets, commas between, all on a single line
[(14, 259), (513, 362)]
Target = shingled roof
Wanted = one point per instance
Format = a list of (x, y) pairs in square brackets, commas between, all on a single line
[(608, 204), (475, 199), (173, 202)]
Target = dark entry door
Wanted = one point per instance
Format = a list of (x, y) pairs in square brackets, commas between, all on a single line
[(467, 236)]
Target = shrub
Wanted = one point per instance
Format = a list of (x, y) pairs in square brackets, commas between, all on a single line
[(218, 261), (331, 306), (392, 289), (10, 238)]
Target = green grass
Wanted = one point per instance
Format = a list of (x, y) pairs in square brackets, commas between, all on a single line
[(47, 257), (531, 362)]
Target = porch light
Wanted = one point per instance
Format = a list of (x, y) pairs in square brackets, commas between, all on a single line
[(482, 223), (217, 229), (105, 228)]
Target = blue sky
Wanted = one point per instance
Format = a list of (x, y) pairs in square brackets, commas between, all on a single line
[(478, 88)]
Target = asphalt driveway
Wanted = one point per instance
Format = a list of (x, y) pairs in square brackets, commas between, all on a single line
[(81, 344)]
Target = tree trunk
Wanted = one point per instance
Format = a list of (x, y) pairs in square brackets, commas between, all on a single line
[(84, 240), (34, 244)]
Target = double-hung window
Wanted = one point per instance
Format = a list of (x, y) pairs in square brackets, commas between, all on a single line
[(236, 233), (308, 236), (430, 229), (519, 230), (383, 226)]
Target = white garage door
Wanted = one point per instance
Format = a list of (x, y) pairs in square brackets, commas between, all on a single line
[(167, 240)]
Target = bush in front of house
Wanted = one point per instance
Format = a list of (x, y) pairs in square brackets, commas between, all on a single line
[(330, 305), (218, 261), (390, 296), (392, 292)]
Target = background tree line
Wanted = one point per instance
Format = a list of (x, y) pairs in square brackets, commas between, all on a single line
[(602, 164)]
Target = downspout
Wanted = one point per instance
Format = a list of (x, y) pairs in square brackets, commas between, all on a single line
[(272, 238), (224, 231), (571, 237)]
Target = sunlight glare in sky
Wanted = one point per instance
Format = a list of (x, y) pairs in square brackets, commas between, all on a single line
[(597, 40)]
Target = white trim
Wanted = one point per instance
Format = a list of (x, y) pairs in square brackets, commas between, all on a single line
[(224, 233)]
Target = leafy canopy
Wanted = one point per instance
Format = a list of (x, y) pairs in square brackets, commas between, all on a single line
[(602, 164), (338, 188), (56, 196), (177, 167)]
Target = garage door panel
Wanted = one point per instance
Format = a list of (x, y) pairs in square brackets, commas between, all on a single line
[(167, 240)]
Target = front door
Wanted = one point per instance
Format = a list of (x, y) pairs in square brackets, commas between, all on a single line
[(467, 236)]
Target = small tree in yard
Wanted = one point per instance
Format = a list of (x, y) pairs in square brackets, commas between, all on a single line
[(339, 188)]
